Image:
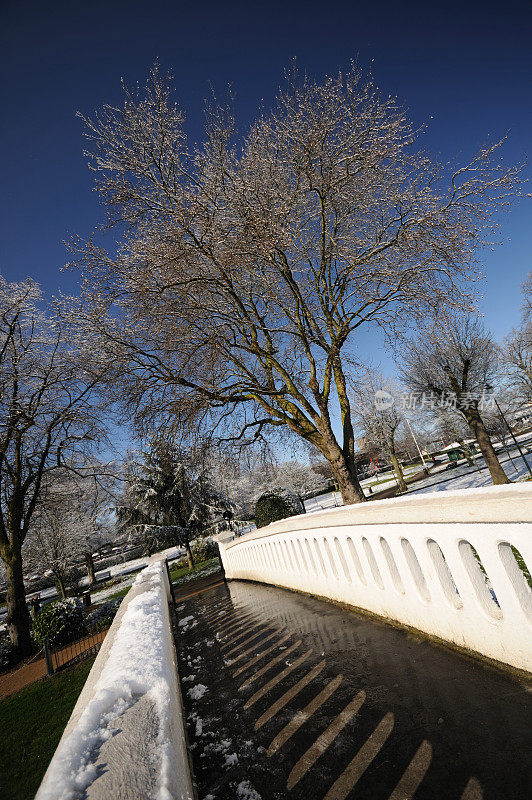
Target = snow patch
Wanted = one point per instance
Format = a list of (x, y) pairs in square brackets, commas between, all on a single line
[(245, 791), (199, 724), (197, 692)]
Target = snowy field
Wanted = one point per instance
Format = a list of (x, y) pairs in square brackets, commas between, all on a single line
[(469, 478), (441, 479), (118, 570)]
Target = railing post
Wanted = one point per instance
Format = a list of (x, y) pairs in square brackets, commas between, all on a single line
[(48, 657), (172, 595), (224, 577)]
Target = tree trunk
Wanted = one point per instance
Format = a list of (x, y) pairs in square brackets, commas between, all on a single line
[(348, 484), (399, 472), (342, 460), (342, 464), (18, 617), (60, 586), (190, 558), (475, 422), (89, 563)]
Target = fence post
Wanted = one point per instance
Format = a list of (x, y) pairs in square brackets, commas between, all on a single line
[(48, 657), (172, 595)]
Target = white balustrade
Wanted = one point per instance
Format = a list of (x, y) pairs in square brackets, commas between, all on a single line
[(442, 563)]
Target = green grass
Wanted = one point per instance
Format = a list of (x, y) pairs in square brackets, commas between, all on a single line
[(178, 573), (522, 565), (31, 724)]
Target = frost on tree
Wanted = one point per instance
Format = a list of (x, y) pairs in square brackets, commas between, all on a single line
[(456, 360), (50, 421), (168, 498), (253, 260)]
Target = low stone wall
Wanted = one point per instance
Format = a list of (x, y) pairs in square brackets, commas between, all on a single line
[(443, 563), (126, 737)]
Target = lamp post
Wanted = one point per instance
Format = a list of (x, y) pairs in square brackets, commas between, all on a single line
[(499, 409), (425, 470)]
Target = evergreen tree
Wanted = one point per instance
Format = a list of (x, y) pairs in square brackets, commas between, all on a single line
[(168, 499)]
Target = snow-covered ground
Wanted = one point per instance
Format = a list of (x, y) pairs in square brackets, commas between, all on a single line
[(115, 571), (441, 479), (469, 478)]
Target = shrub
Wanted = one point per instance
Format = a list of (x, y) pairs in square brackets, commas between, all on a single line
[(8, 654), (102, 617), (203, 549), (61, 622), (276, 504)]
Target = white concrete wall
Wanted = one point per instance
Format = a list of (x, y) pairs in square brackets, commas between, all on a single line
[(126, 735), (410, 560)]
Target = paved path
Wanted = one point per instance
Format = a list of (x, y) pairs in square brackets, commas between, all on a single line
[(290, 697)]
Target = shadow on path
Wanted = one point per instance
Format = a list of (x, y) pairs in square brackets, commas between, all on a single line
[(289, 696)]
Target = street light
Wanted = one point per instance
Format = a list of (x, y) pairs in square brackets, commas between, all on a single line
[(425, 470), (489, 388)]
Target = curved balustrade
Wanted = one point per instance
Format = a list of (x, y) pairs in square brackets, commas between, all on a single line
[(450, 564)]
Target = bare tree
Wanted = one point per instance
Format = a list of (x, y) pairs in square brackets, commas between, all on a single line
[(517, 350), (527, 295), (517, 353), (49, 421), (380, 421), (243, 486), (455, 362), (251, 262), (72, 519)]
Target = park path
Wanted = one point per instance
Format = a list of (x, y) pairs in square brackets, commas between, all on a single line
[(288, 696)]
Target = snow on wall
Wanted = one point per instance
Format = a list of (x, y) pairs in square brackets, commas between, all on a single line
[(138, 663)]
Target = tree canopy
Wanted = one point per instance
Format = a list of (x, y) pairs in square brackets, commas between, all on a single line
[(250, 261)]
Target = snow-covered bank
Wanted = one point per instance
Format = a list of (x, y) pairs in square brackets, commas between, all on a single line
[(131, 693)]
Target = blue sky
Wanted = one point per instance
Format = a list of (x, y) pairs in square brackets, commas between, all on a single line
[(467, 65)]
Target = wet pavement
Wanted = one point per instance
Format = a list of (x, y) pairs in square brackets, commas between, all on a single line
[(287, 696)]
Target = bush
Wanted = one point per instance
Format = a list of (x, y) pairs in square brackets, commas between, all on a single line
[(203, 549), (276, 504), (102, 617), (61, 622), (8, 654)]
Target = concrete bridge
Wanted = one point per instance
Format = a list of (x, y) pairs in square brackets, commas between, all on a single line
[(396, 670)]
